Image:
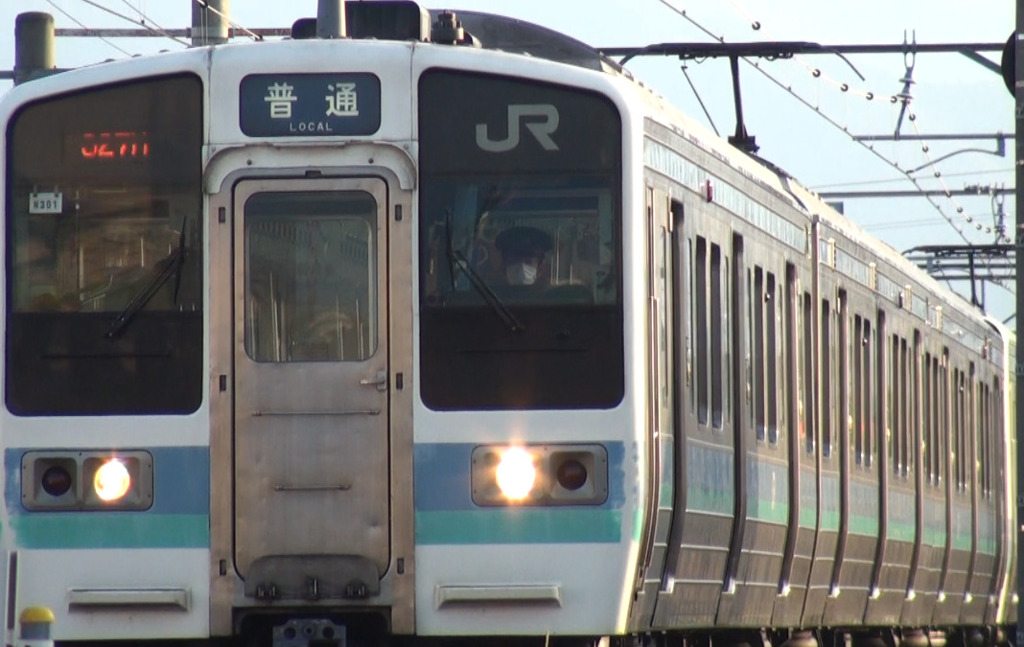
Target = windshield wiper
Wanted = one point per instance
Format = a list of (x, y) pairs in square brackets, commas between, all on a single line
[(165, 268), (457, 259)]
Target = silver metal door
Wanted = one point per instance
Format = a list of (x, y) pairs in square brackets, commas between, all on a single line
[(311, 387)]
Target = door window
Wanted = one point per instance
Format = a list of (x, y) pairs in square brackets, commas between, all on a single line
[(310, 285)]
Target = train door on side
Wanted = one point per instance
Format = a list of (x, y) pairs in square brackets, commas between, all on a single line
[(310, 353), (853, 449), (828, 350), (703, 399), (760, 444)]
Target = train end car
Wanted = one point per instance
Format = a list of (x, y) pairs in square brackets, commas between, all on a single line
[(323, 342), (451, 332)]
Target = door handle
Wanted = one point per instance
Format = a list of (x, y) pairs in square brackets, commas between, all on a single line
[(380, 381)]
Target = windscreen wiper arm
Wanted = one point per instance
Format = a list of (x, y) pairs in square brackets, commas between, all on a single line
[(458, 259), (169, 266), (487, 293)]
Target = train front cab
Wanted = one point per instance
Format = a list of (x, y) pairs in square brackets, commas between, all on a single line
[(367, 295), (340, 372)]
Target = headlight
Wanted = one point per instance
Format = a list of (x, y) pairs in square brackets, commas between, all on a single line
[(87, 480), (540, 475), (112, 480), (516, 474)]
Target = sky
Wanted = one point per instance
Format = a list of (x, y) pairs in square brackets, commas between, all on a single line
[(802, 122)]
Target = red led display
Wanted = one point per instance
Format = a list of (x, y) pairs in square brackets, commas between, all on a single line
[(128, 144)]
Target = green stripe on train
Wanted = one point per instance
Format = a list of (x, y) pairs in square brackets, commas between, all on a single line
[(110, 530), (519, 526)]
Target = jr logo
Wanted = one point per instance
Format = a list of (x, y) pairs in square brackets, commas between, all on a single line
[(541, 130)]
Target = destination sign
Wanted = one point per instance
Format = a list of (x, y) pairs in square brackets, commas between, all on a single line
[(309, 105)]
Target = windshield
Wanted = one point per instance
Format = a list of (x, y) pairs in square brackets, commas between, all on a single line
[(103, 240), (531, 242), (520, 251), (96, 258)]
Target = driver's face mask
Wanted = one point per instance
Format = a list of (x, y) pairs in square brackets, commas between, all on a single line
[(521, 273)]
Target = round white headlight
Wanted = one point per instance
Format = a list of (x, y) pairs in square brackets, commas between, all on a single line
[(516, 473), (112, 480)]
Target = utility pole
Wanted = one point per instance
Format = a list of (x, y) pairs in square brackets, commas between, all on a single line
[(34, 46), (330, 19), (210, 22)]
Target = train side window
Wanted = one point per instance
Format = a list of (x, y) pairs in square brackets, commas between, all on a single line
[(700, 298), (957, 429), (826, 379), (945, 422), (857, 386), (983, 431), (990, 457), (739, 365), (963, 422), (717, 331), (881, 383), (757, 297), (939, 441), (771, 312), (914, 431), (905, 407), (789, 354), (664, 295), (997, 433), (842, 379), (937, 421), (807, 382), (954, 430), (868, 392), (895, 416), (927, 433), (940, 419), (971, 427)]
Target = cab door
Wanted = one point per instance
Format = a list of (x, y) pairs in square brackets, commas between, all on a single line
[(311, 387)]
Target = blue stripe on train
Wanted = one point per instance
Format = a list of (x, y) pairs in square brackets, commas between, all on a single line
[(179, 517), (446, 514)]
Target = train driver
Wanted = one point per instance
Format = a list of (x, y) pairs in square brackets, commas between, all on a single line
[(523, 251)]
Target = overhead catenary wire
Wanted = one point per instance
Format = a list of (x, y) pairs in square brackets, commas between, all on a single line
[(129, 19), (904, 99), (82, 25), (900, 224), (844, 87), (822, 187), (151, 24)]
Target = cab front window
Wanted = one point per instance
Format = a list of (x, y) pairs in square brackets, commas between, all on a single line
[(520, 271), (528, 242), (104, 253)]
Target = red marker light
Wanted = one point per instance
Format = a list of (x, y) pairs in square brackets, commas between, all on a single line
[(571, 474), (56, 480)]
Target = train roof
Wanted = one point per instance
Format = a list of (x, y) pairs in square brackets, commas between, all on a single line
[(802, 199)]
